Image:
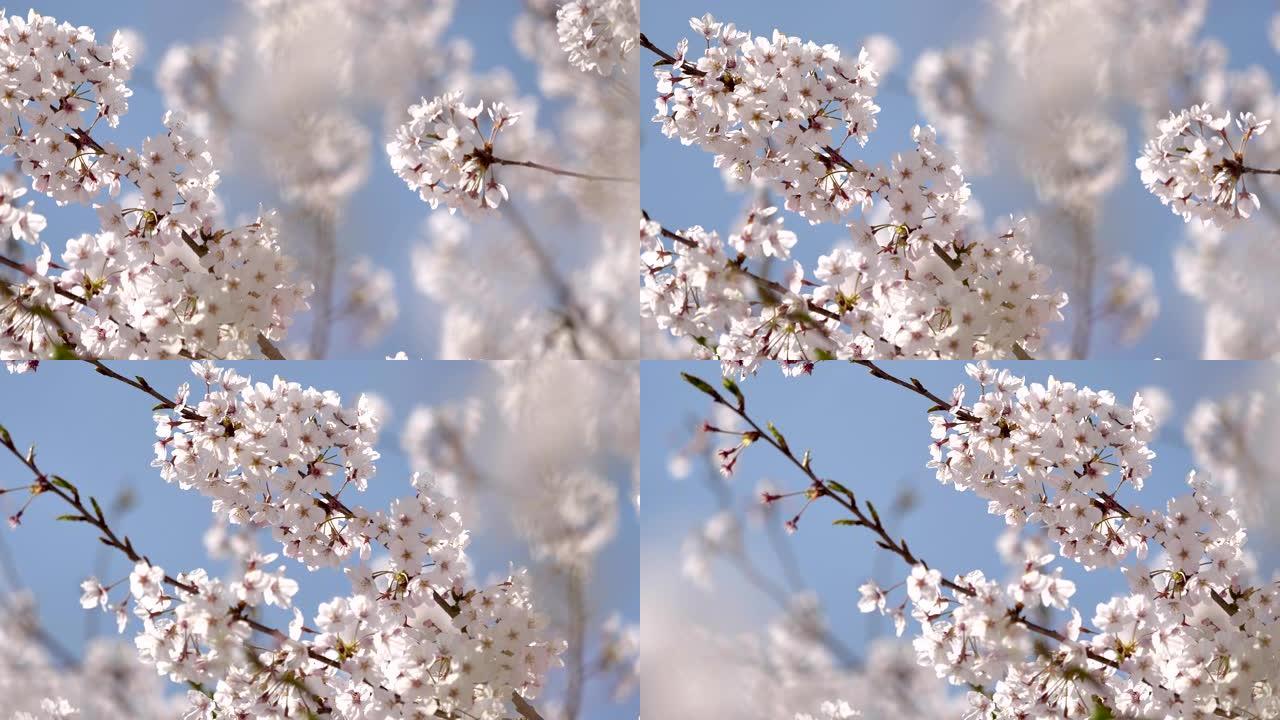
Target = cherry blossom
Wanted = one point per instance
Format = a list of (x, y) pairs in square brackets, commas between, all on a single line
[(598, 34), (444, 154), (160, 278), (1196, 169), (1185, 635), (922, 278), (416, 635)]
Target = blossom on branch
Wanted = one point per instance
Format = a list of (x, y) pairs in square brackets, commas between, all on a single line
[(160, 279), (920, 278), (1196, 169), (598, 34), (445, 154)]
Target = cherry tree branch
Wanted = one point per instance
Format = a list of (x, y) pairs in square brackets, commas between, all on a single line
[(870, 518), (778, 288), (741, 560), (526, 710), (560, 171)]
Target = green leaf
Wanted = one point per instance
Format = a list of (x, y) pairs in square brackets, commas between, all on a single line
[(1100, 711), (732, 387), (63, 352), (4, 436), (777, 436), (874, 515), (703, 386), (56, 480), (71, 518), (97, 509), (845, 521), (839, 488)]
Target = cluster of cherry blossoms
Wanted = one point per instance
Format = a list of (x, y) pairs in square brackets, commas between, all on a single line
[(444, 154), (774, 108), (1027, 103), (501, 279), (921, 279), (415, 636), (1192, 634), (1196, 169), (268, 455), (561, 493), (598, 35), (1052, 454), (160, 278)]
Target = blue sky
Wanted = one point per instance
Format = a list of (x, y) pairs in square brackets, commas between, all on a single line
[(681, 188), (873, 437), (98, 433), (384, 218)]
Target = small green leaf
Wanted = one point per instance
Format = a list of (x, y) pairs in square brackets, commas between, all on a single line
[(56, 480), (1100, 711), (845, 521), (703, 386), (732, 387), (839, 488), (777, 436), (71, 518)]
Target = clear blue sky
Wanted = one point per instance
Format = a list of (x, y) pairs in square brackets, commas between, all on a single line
[(98, 433), (384, 219), (681, 187), (873, 437)]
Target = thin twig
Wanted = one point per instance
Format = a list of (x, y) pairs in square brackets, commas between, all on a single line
[(561, 171)]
